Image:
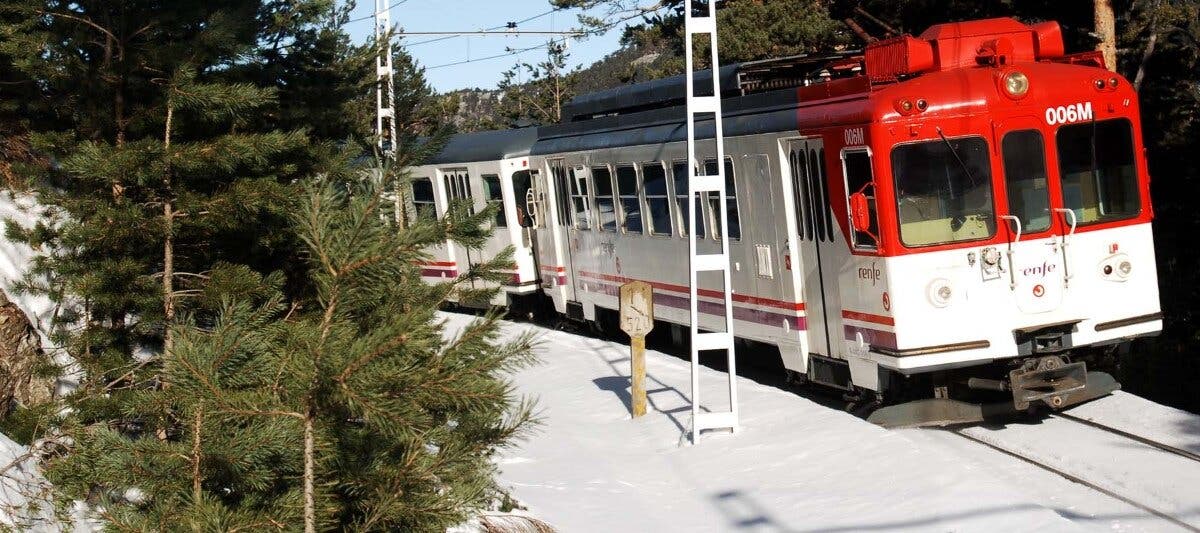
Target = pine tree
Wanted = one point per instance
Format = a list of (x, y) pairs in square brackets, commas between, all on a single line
[(348, 410), (534, 94)]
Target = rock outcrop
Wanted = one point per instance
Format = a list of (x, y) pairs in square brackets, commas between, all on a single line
[(21, 356)]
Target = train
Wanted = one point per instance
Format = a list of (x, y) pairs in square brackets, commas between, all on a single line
[(944, 226)]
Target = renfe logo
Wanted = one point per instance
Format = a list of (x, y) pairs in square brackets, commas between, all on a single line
[(1068, 114), (854, 136), (1039, 271), (870, 273)]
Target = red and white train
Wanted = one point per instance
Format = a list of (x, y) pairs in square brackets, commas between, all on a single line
[(960, 218)]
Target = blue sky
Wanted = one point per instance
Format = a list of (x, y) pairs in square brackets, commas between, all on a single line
[(470, 15)]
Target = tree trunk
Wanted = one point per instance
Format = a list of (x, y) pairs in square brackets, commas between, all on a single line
[(1106, 29), (196, 424), (1148, 52), (168, 280), (310, 509)]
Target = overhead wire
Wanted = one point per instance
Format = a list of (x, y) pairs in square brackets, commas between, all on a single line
[(372, 15), (510, 52)]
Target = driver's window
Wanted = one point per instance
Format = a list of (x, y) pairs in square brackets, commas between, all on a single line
[(859, 179)]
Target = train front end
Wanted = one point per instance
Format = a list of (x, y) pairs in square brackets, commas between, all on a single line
[(1010, 218)]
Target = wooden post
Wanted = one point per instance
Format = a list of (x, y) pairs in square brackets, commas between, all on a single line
[(637, 319), (637, 389)]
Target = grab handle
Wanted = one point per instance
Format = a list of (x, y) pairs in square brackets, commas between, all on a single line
[(1074, 221), (1012, 272), (1017, 221)]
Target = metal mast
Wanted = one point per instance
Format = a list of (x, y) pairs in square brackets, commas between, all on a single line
[(385, 112), (703, 108)]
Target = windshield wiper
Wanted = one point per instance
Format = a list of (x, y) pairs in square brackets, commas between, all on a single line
[(956, 156)]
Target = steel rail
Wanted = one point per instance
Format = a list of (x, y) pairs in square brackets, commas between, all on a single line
[(1152, 443), (1078, 480)]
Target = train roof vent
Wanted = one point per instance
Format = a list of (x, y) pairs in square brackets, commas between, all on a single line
[(891, 59), (954, 45)]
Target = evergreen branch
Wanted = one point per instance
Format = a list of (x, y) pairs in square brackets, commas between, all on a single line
[(88, 22), (367, 358)]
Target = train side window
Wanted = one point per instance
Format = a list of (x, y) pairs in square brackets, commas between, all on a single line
[(1025, 179), (561, 191), (818, 162), (606, 210), (819, 205), (658, 201), (494, 195), (825, 219), (799, 163), (680, 174), (458, 188), (579, 198), (731, 206), (424, 205), (856, 165), (631, 203)]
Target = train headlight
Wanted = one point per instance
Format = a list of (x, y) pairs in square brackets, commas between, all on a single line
[(1125, 268), (940, 292), (1016, 84)]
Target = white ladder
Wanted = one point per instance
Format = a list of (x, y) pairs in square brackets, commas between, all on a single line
[(385, 112), (719, 262)]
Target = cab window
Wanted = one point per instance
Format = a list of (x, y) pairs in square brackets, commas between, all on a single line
[(1025, 179), (1099, 179), (944, 191)]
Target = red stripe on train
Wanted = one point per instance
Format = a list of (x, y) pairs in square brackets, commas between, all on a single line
[(708, 293), (868, 317)]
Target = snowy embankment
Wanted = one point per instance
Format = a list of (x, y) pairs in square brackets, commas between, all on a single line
[(794, 466), (25, 496)]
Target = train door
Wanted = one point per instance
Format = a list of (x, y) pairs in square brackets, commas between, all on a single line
[(458, 189), (817, 243), (557, 262), (1039, 269)]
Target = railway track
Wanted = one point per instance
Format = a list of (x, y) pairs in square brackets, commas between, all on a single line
[(1079, 479), (1138, 438)]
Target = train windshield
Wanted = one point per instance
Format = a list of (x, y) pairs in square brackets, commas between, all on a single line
[(1099, 182), (944, 191)]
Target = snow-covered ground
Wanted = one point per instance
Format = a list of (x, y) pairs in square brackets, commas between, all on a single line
[(800, 466)]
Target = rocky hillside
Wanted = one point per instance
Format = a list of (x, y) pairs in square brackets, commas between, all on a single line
[(477, 107)]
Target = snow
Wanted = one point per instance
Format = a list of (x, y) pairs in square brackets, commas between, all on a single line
[(25, 495), (15, 260), (796, 465), (26, 502), (1144, 418)]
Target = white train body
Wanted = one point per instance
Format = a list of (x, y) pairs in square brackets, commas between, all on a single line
[(981, 235)]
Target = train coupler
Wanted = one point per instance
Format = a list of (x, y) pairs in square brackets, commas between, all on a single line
[(1046, 380)]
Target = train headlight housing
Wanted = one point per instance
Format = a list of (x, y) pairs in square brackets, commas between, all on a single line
[(1016, 84), (940, 292)]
